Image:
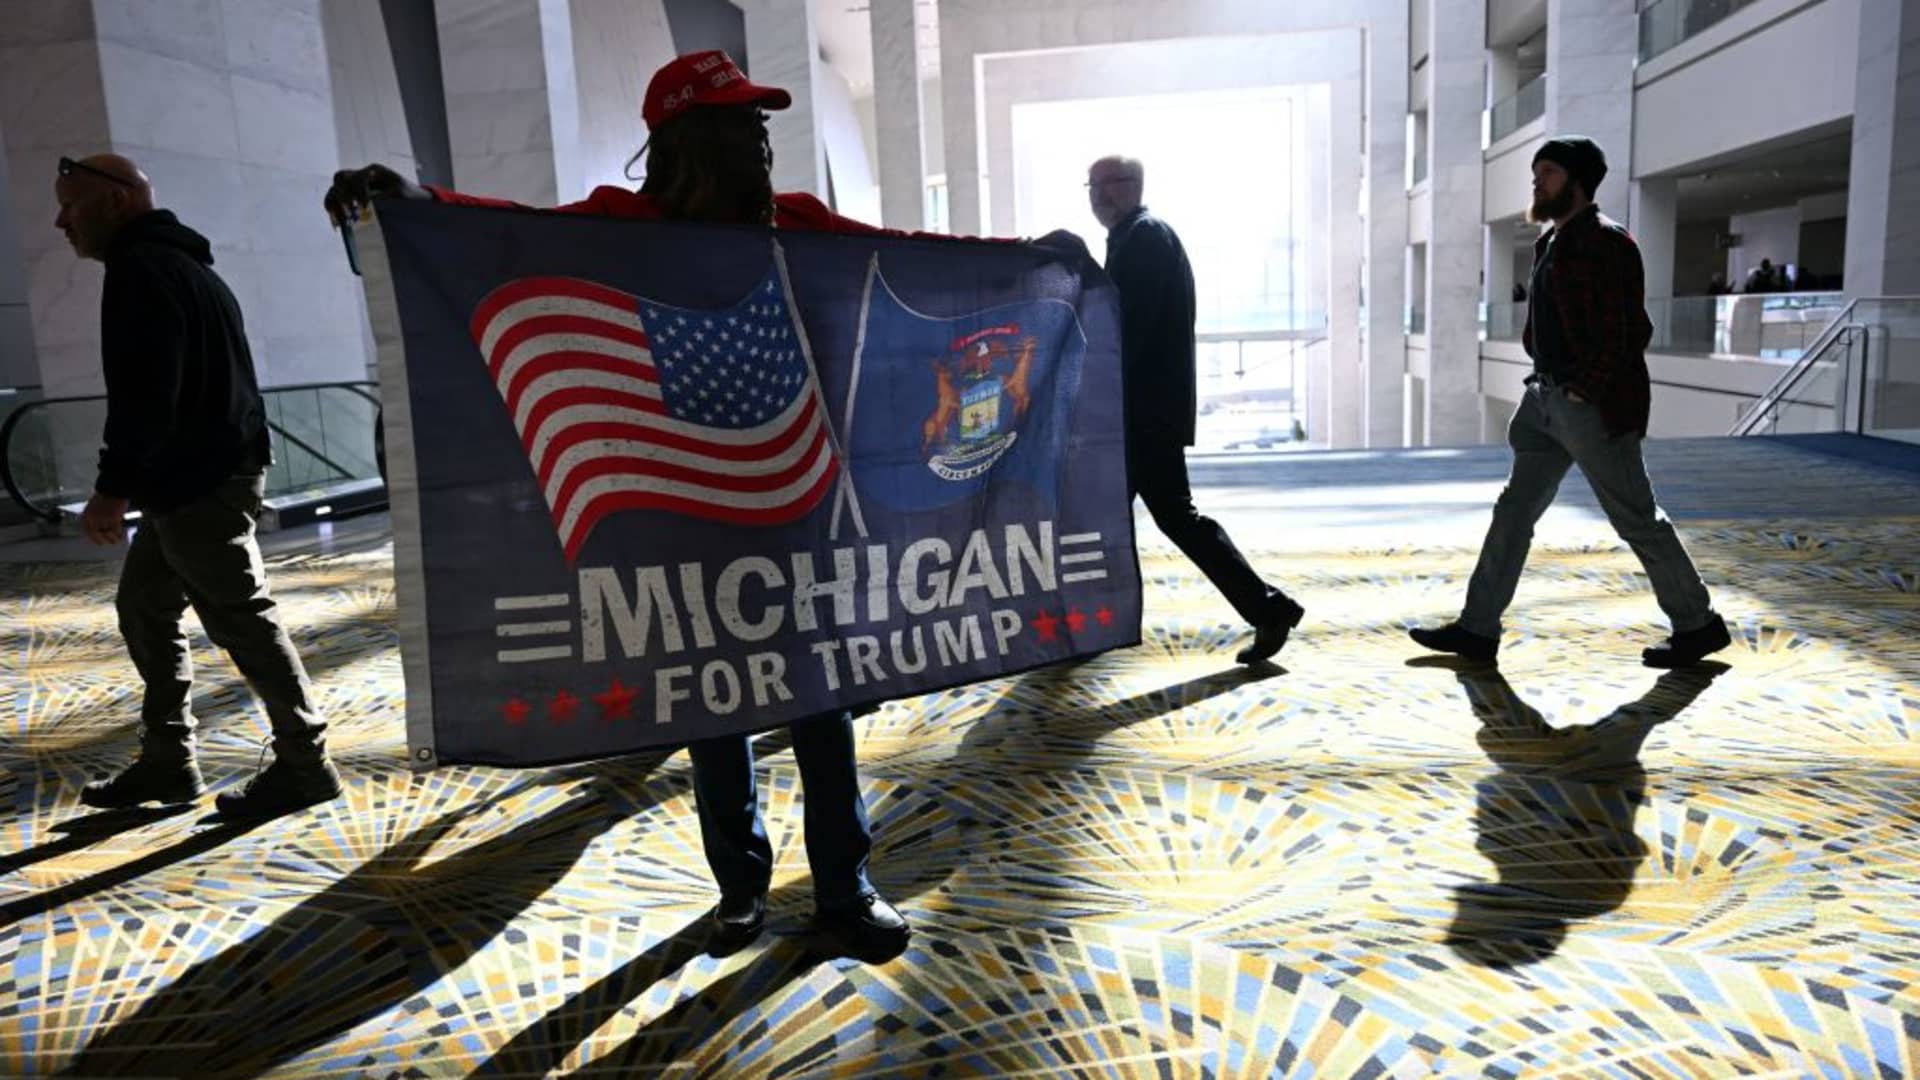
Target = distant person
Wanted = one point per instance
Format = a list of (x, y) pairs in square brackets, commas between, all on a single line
[(1519, 293), (1760, 278), (1150, 269), (186, 443), (1586, 404), (1718, 286)]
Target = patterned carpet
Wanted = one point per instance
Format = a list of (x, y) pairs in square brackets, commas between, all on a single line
[(1151, 864)]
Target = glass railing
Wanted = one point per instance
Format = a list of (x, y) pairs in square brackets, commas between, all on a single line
[(1414, 319), (1527, 104), (1506, 321), (1768, 326), (323, 435), (1666, 23), (1251, 388)]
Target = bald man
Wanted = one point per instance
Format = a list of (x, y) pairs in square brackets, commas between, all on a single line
[(1155, 281), (186, 443)]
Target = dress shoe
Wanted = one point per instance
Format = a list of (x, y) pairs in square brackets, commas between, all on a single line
[(1270, 636), (1688, 649), (1456, 639), (735, 922), (869, 929)]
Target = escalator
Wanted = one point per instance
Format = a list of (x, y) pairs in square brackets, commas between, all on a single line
[(327, 450)]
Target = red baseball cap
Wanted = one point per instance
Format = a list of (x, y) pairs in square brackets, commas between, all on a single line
[(704, 78)]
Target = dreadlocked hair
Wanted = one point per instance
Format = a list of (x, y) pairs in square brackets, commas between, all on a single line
[(712, 163)]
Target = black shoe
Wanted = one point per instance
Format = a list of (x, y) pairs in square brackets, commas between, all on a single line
[(1685, 650), (1456, 639), (166, 781), (869, 929), (734, 923), (281, 788), (1270, 636)]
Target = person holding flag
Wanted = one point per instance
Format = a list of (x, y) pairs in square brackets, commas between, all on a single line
[(709, 159)]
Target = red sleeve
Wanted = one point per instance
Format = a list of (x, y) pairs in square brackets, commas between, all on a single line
[(605, 201)]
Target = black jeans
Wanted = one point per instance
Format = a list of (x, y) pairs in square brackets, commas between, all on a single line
[(204, 553), (1157, 472), (839, 840)]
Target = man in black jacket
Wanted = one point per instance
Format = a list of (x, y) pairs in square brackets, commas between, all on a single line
[(1150, 269), (186, 443)]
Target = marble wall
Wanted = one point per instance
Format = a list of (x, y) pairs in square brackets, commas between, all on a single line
[(228, 105)]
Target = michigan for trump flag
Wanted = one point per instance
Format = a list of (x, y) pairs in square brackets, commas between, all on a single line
[(657, 482)]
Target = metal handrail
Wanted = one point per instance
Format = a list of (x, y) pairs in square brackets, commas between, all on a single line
[(357, 388), (1771, 398)]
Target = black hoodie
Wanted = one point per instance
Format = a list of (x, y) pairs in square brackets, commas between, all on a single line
[(183, 406)]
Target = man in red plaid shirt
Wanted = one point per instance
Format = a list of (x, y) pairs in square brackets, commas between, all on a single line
[(1586, 404)]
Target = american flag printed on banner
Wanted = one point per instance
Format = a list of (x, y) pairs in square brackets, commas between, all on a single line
[(623, 403)]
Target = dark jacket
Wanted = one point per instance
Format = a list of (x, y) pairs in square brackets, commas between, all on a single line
[(1598, 289), (1150, 269), (183, 406)]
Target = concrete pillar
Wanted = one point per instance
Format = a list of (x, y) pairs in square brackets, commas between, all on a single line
[(896, 114), (1386, 155), (1591, 48), (513, 111), (1456, 58), (783, 50), (1883, 187), (1503, 72), (1345, 393), (1655, 208)]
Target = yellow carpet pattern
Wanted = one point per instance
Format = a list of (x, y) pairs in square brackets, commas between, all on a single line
[(1148, 864)]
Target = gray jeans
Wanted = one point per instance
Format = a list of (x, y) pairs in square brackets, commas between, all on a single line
[(1549, 434), (205, 554)]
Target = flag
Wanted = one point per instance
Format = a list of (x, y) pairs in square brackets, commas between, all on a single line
[(942, 407), (624, 403)]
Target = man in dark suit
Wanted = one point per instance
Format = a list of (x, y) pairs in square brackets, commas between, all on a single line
[(1150, 268)]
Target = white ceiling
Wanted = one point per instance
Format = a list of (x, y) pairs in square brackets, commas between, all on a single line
[(847, 43)]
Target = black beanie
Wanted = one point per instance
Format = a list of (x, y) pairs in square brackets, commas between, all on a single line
[(1580, 156)]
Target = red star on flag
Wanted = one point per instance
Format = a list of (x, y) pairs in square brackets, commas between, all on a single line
[(1104, 616), (1045, 625), (562, 707), (617, 702), (515, 711), (1076, 622)]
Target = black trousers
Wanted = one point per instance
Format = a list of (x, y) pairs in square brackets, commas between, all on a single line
[(205, 554), (1157, 472), (839, 839)]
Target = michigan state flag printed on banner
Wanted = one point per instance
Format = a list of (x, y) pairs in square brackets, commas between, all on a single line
[(658, 482)]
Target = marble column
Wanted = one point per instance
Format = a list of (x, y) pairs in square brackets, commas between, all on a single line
[(512, 98), (896, 113), (783, 50), (1386, 288), (1655, 209), (1457, 174), (1883, 187), (1345, 385), (1591, 48), (616, 49)]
